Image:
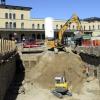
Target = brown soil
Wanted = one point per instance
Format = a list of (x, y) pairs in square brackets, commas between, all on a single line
[(51, 65)]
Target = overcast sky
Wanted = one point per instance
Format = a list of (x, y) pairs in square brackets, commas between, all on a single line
[(60, 9)]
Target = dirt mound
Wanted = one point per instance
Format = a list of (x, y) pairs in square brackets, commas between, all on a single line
[(51, 65)]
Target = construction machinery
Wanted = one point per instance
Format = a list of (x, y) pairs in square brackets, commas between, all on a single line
[(61, 87), (57, 43)]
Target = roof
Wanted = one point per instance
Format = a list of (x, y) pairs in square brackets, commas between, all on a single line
[(15, 7), (92, 19)]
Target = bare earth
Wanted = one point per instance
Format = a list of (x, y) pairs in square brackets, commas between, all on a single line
[(90, 91), (40, 79)]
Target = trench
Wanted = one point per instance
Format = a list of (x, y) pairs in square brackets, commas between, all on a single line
[(24, 66), (93, 62), (90, 59), (13, 89)]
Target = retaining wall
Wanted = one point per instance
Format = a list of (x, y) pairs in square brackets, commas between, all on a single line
[(7, 71)]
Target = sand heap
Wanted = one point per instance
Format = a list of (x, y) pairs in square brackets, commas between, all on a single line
[(51, 65)]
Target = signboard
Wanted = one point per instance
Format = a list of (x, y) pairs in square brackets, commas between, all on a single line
[(49, 31), (86, 36)]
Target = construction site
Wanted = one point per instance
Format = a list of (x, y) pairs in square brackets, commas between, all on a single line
[(54, 70), (35, 78), (38, 74), (65, 66)]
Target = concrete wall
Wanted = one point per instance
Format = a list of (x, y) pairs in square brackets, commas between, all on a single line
[(7, 72)]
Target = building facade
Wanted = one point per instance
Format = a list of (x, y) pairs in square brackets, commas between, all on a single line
[(15, 21)]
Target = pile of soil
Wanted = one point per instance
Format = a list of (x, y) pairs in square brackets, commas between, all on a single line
[(51, 65)]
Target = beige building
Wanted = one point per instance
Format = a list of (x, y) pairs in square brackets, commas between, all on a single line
[(15, 21)]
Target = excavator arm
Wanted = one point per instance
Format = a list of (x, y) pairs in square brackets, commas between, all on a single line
[(74, 19), (57, 44)]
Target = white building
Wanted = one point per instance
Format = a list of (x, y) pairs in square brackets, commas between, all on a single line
[(16, 20)]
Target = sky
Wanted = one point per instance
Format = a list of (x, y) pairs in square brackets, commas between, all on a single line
[(60, 9)]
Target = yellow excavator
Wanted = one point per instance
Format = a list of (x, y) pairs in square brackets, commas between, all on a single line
[(61, 87), (57, 43)]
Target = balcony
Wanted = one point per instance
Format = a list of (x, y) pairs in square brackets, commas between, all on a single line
[(20, 29)]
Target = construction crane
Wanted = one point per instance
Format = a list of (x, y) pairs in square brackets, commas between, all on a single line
[(57, 44)]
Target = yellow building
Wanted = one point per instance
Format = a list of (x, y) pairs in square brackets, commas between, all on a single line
[(15, 21)]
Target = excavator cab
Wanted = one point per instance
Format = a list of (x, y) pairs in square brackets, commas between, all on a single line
[(50, 43), (59, 79), (60, 82)]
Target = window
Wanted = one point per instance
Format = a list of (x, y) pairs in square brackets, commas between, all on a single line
[(22, 16), (89, 27), (14, 16), (33, 26), (84, 27), (6, 24), (93, 27), (43, 36), (42, 26), (38, 26), (58, 81), (38, 36), (10, 36), (10, 16), (56, 26), (33, 36), (98, 27), (14, 25), (10, 24), (22, 37), (6, 15), (22, 25)]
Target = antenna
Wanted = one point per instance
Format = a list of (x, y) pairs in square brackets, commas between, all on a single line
[(3, 2)]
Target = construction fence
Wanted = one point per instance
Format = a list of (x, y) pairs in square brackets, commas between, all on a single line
[(7, 46)]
